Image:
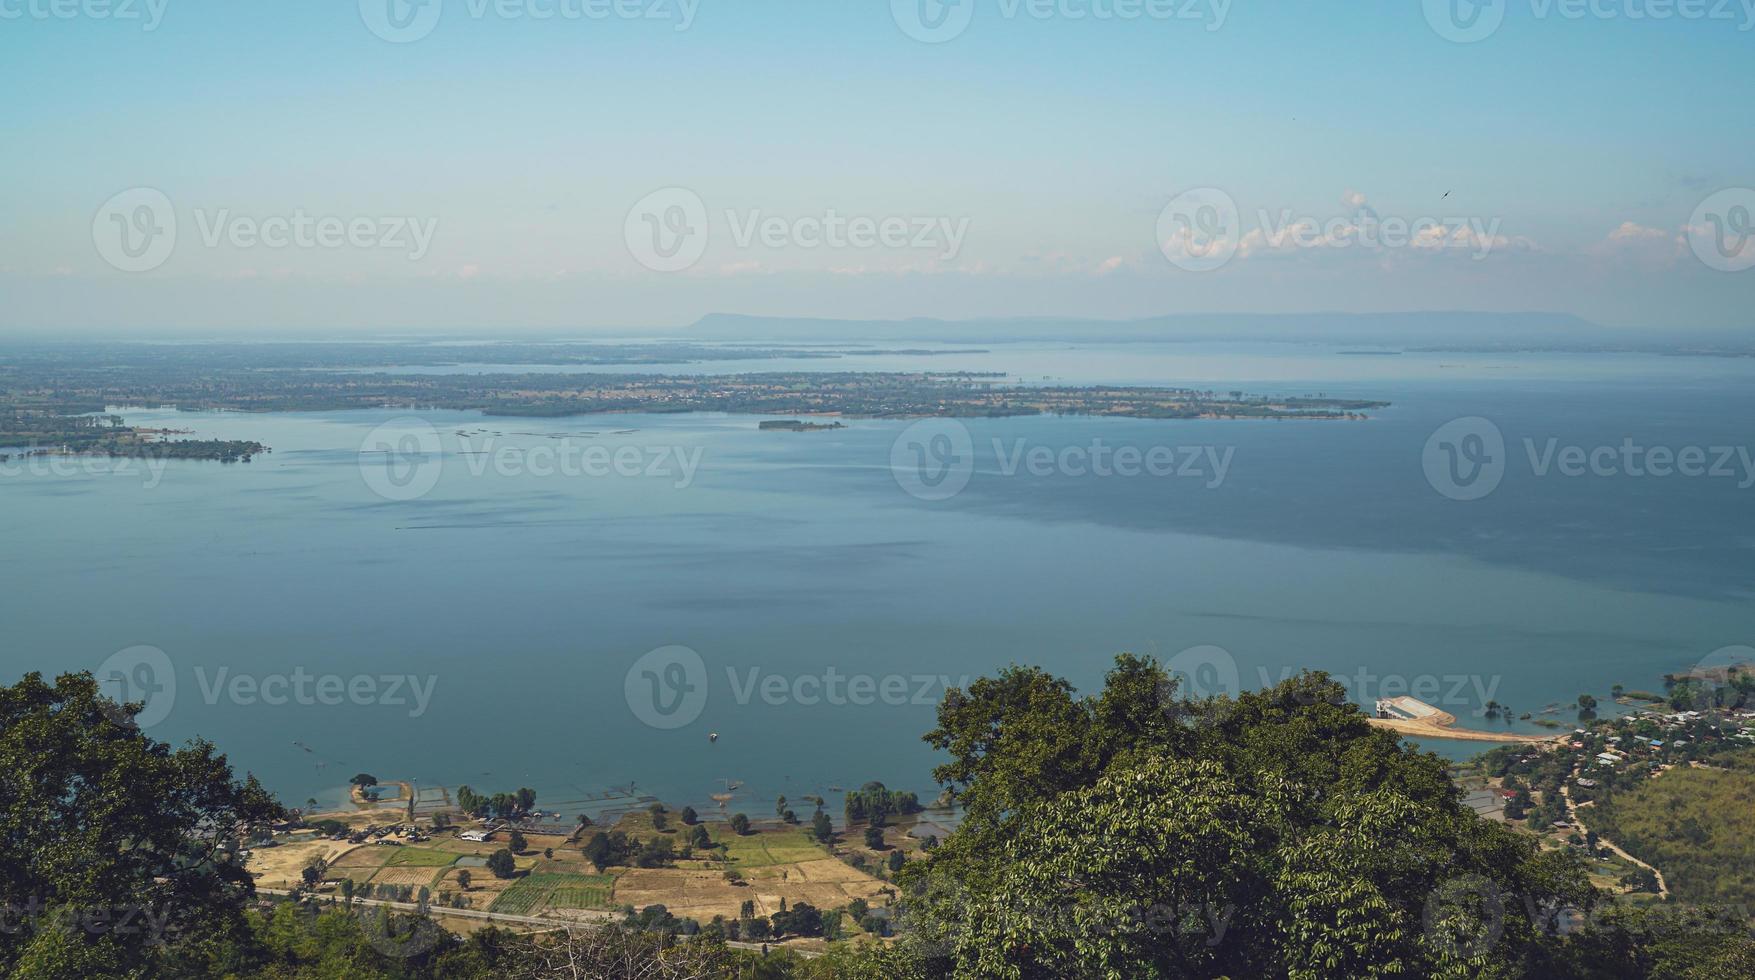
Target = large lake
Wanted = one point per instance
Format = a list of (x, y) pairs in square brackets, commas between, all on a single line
[(796, 564)]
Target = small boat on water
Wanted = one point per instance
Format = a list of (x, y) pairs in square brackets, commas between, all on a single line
[(712, 736)]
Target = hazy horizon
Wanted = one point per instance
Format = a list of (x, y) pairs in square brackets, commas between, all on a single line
[(462, 166)]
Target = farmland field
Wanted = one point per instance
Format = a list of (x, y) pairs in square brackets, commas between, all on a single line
[(413, 875), (420, 857), (595, 895), (760, 850), (537, 891)]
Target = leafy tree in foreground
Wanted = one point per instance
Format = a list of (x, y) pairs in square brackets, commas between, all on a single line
[(1137, 833), (95, 816)]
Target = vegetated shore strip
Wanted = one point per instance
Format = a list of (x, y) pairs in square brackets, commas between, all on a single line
[(57, 408), (851, 394)]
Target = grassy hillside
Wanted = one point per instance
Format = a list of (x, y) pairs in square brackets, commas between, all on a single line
[(1694, 824)]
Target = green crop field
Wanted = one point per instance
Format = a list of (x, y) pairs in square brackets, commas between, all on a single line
[(761, 850), (540, 890), (591, 892)]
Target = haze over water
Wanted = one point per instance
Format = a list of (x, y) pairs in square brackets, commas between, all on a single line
[(527, 598)]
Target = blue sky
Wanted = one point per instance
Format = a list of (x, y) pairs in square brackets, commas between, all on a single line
[(1577, 152)]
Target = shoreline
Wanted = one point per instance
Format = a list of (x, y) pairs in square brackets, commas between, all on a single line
[(1430, 722)]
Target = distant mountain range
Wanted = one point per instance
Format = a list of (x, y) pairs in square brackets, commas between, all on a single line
[(1456, 330)]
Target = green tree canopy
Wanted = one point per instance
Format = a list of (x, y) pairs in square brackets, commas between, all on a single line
[(1141, 834), (98, 822)]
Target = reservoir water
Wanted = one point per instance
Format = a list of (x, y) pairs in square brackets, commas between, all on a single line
[(498, 628)]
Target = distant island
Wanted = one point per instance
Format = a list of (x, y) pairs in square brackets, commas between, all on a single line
[(53, 398), (36, 428)]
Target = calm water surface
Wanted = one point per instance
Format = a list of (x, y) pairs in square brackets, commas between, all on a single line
[(787, 560)]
